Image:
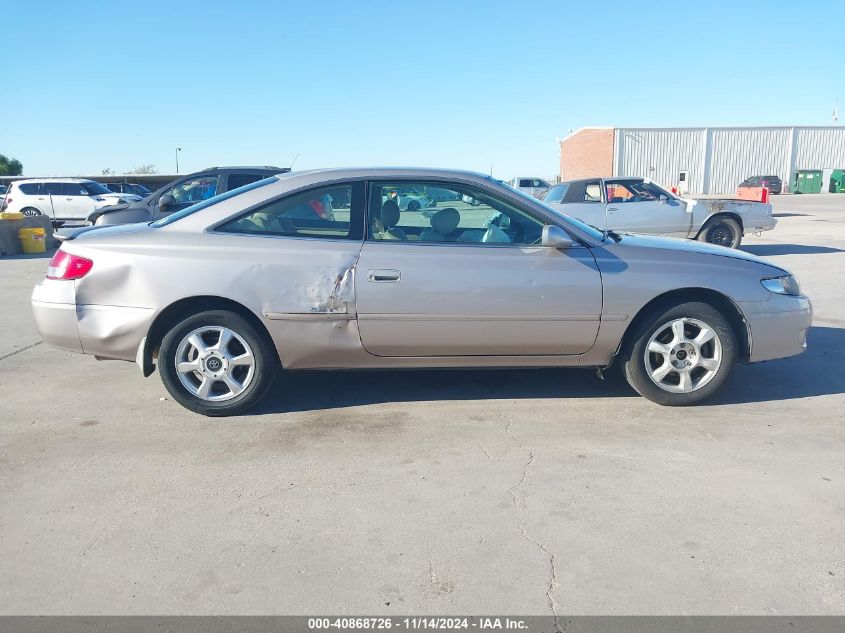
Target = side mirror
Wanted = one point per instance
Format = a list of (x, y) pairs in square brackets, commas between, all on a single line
[(555, 237), (663, 199), (165, 201)]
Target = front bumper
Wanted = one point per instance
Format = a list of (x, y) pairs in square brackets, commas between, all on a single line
[(105, 331), (778, 326)]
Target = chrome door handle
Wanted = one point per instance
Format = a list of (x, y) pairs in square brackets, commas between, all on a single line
[(383, 275)]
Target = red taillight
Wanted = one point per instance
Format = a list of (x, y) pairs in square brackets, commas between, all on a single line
[(67, 266), (5, 204)]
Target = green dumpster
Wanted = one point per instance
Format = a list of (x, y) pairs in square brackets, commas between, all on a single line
[(837, 181), (808, 181)]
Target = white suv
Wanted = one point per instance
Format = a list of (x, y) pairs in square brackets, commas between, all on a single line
[(61, 198)]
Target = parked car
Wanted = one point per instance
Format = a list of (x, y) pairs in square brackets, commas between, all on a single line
[(181, 193), (128, 187), (772, 183), (3, 190), (531, 185), (61, 199), (637, 205), (222, 294)]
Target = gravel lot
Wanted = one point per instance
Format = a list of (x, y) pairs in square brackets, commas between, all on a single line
[(521, 492)]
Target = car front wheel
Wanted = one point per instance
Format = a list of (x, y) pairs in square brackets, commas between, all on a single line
[(681, 355), (217, 363)]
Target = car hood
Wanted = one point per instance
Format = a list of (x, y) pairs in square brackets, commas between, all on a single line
[(691, 246)]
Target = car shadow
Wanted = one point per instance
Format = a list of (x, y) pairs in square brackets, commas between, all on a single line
[(771, 250), (816, 372), (789, 215), (813, 373)]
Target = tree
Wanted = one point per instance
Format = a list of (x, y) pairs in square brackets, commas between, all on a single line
[(108, 171), (144, 169), (10, 166)]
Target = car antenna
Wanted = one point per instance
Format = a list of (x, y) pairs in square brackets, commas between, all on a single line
[(292, 162)]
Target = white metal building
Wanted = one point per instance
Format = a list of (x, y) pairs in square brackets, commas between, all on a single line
[(702, 159)]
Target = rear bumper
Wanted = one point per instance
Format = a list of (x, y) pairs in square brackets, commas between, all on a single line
[(54, 311), (105, 331), (778, 326), (763, 224)]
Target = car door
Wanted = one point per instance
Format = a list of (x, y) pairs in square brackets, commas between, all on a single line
[(636, 206), (76, 200), (50, 195), (471, 280)]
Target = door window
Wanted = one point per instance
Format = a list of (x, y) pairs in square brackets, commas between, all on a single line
[(315, 213), (55, 189), (404, 211), (239, 180), (632, 191)]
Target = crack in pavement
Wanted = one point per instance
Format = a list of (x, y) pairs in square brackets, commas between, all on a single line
[(551, 590), (22, 349)]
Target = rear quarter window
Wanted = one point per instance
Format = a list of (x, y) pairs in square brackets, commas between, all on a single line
[(30, 189)]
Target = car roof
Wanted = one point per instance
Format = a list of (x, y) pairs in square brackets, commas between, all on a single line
[(341, 173), (32, 180), (245, 168), (571, 182)]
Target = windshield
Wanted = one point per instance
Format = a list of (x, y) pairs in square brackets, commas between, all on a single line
[(586, 228), (95, 188), (175, 217)]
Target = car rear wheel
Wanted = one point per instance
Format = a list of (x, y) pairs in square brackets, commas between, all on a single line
[(413, 205), (680, 355), (722, 232), (217, 363), (30, 212)]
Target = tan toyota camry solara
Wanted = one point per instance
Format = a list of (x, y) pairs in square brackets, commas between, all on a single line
[(384, 268)]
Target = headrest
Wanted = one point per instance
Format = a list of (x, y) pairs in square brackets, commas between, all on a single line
[(390, 214), (446, 220)]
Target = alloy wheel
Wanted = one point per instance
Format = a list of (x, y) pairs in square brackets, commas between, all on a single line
[(683, 355), (215, 363)]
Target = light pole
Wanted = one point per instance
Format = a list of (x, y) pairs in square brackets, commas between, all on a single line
[(178, 149)]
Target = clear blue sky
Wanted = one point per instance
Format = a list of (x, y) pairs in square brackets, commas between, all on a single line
[(95, 85)]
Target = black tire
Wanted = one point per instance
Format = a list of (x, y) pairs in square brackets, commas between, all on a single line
[(413, 205), (722, 231), (30, 212), (633, 353), (264, 366)]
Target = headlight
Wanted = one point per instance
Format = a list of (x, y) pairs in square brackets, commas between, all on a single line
[(786, 285)]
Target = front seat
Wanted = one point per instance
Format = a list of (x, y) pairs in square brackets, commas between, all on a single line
[(384, 227), (443, 224)]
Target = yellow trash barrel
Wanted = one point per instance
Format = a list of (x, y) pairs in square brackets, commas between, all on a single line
[(32, 240)]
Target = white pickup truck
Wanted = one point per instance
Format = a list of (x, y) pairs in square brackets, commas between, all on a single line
[(637, 205)]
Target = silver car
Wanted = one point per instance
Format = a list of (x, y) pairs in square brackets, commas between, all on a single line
[(275, 274)]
